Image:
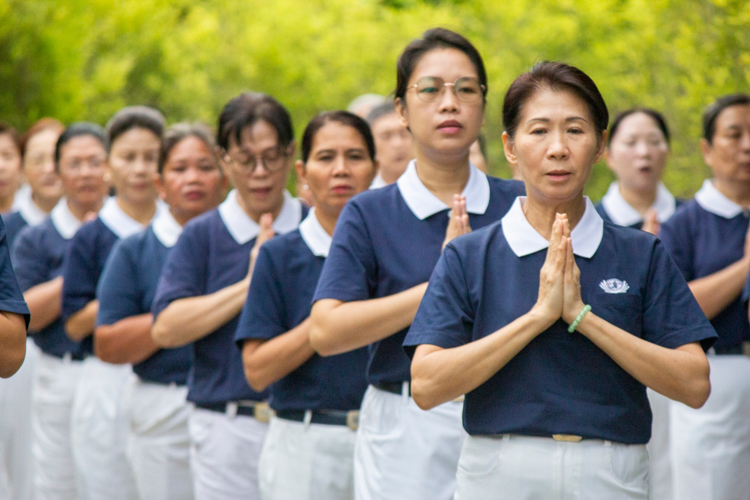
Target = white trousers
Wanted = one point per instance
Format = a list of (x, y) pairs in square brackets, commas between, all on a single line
[(711, 446), (16, 464), (307, 462), (524, 468), (158, 442), (404, 452), (224, 452), (660, 461), (100, 432), (54, 388)]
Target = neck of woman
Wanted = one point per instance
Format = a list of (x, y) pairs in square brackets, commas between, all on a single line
[(45, 204), (6, 203), (442, 174), (541, 212), (140, 212), (641, 200), (256, 215), (82, 210), (738, 192), (327, 217)]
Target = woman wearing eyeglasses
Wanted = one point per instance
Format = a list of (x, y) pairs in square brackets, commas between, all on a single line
[(384, 249), (203, 287)]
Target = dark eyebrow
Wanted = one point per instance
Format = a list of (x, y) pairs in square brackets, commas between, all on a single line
[(547, 120)]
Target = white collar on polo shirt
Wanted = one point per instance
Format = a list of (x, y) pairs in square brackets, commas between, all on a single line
[(378, 182), (711, 200), (121, 223), (624, 214), (63, 219), (29, 210), (525, 240), (243, 228), (166, 228), (423, 203), (317, 239)]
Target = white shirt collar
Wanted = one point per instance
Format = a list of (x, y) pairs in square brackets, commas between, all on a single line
[(243, 228), (423, 203), (29, 210), (525, 240), (623, 214), (166, 228), (711, 200), (121, 223), (63, 219), (317, 239), (378, 182)]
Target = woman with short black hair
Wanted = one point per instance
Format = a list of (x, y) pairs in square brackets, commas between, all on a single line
[(552, 322)]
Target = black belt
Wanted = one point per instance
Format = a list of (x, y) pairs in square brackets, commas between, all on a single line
[(394, 387), (256, 409), (326, 417), (728, 350)]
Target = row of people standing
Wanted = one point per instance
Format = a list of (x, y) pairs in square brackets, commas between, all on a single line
[(227, 280)]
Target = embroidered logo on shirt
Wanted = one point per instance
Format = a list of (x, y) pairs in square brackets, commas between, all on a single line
[(614, 286)]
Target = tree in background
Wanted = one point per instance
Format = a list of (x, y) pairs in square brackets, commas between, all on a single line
[(76, 59)]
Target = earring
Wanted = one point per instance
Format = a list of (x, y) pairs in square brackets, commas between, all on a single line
[(305, 186)]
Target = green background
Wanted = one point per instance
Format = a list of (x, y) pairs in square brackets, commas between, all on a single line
[(79, 59)]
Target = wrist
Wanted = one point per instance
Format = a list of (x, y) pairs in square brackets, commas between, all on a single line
[(542, 317), (572, 312)]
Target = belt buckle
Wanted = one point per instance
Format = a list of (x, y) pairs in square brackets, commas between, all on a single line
[(262, 412), (352, 419), (460, 399), (568, 438)]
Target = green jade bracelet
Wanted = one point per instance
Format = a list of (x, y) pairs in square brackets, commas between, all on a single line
[(579, 318)]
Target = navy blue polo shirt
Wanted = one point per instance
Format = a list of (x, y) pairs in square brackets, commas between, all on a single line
[(284, 280), (14, 223), (26, 214), (560, 383), (704, 237), (38, 257), (127, 288), (613, 207), (11, 296), (87, 254), (388, 240), (213, 253)]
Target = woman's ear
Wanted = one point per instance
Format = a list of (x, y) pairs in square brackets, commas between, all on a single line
[(403, 115), (300, 168), (601, 146), (510, 149), (159, 184)]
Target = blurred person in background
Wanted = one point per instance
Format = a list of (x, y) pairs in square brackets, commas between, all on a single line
[(10, 167), (478, 154), (190, 182), (709, 240), (362, 105), (80, 157), (393, 143), (99, 423)]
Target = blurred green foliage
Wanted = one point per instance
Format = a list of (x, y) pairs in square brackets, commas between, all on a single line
[(84, 59)]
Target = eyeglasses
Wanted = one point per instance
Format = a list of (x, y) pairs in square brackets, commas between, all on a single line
[(93, 162), (272, 160), (466, 89)]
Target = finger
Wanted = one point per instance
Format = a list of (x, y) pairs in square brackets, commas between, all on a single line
[(565, 226), (570, 260)]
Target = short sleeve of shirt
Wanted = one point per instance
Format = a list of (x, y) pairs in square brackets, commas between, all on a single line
[(263, 315), (675, 234), (80, 275), (445, 317), (11, 297), (118, 288), (184, 273), (671, 315), (350, 270), (31, 269)]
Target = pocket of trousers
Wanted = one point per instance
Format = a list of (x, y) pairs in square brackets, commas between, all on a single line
[(629, 465)]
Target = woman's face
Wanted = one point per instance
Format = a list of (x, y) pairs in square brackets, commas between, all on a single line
[(259, 167), (448, 125), (10, 166), (39, 164), (638, 153), (555, 145), (729, 154), (83, 169), (133, 162), (191, 181), (339, 166)]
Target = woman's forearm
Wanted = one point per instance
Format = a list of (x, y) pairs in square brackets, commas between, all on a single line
[(716, 291), (337, 327), (268, 361), (81, 324), (440, 375), (192, 318), (126, 341), (12, 343), (44, 303), (680, 374)]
